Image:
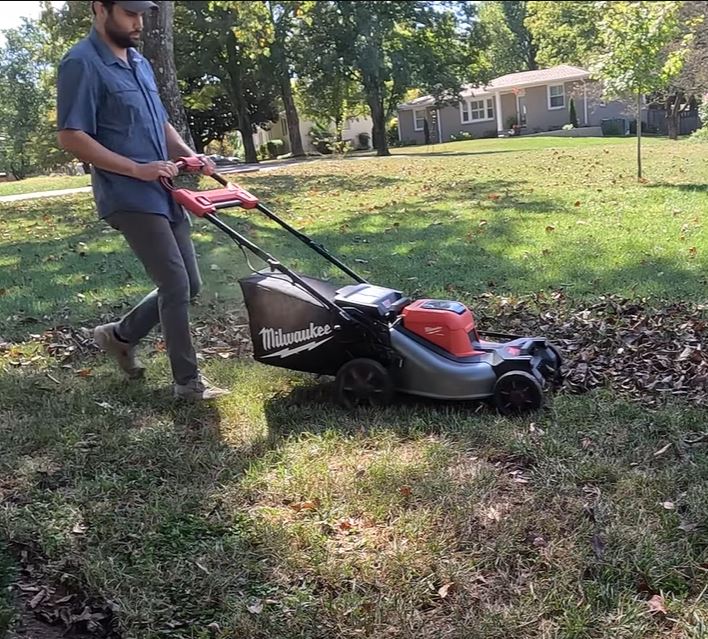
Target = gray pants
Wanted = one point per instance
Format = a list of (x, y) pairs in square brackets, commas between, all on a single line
[(167, 254)]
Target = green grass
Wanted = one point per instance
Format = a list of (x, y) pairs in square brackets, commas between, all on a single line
[(275, 514), (44, 183)]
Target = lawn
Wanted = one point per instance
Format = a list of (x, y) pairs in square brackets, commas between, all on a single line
[(44, 183), (275, 514)]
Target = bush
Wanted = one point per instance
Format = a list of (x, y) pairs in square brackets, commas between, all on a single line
[(322, 139), (392, 132), (573, 115), (462, 135), (274, 148), (701, 135)]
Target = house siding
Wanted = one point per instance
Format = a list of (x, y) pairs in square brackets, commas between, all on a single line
[(451, 124), (406, 127), (539, 118)]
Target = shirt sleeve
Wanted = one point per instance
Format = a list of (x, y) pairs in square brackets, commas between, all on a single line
[(77, 96)]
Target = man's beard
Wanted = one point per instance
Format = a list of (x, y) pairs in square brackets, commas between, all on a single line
[(120, 38)]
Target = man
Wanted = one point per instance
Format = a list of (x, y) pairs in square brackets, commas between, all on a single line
[(110, 115)]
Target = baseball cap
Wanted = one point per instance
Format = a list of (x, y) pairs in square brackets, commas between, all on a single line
[(136, 5)]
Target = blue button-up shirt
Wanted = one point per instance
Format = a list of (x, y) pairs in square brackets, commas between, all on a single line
[(117, 103)]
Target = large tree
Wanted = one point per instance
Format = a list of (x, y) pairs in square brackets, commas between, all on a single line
[(564, 32), (26, 107), (510, 44), (158, 48), (223, 43), (283, 18), (391, 47)]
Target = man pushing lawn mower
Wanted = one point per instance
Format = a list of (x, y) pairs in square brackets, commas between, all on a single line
[(374, 340), (110, 115)]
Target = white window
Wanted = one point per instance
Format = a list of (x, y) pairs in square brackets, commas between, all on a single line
[(419, 117), (556, 96), (477, 110)]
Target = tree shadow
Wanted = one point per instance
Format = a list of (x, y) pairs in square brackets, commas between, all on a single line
[(687, 187)]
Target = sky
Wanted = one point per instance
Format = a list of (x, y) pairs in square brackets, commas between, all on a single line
[(12, 13)]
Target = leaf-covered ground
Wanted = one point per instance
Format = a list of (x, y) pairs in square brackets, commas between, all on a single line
[(275, 514)]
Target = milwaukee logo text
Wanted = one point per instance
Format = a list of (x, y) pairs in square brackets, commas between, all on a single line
[(276, 338)]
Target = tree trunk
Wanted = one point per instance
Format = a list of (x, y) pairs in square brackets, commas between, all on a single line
[(239, 103), (673, 115), (379, 118), (291, 115), (158, 48), (639, 135), (246, 129)]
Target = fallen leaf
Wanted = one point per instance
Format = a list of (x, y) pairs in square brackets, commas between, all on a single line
[(577, 202), (255, 608), (84, 372), (38, 598), (3, 291), (693, 251), (303, 505), (656, 604), (668, 505), (662, 450), (483, 223), (79, 529), (550, 228), (444, 590), (215, 267), (405, 491), (688, 527)]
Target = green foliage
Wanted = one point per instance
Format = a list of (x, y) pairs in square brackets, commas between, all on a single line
[(23, 102), (509, 43), (275, 148), (702, 133), (564, 32), (642, 50), (387, 48), (635, 37)]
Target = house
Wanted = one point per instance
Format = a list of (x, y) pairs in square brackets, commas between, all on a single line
[(537, 100), (351, 130)]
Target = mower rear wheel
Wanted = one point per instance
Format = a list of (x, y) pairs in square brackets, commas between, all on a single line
[(363, 382), (517, 392)]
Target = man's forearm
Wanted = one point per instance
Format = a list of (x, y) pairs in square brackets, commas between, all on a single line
[(86, 149)]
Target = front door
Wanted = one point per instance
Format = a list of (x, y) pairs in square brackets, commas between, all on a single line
[(521, 110)]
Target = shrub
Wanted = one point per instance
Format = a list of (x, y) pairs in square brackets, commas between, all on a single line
[(573, 115), (364, 140), (274, 148)]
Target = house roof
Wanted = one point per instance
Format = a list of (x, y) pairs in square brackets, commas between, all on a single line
[(560, 73)]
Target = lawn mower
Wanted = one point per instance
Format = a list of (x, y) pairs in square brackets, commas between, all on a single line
[(373, 340)]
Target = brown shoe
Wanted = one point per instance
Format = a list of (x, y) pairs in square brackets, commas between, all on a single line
[(199, 389), (105, 338)]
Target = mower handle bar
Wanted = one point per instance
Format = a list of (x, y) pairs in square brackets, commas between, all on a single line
[(194, 164)]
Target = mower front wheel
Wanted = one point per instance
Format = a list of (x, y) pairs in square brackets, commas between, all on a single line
[(517, 392), (363, 382)]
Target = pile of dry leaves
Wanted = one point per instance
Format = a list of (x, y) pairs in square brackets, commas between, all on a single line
[(646, 353)]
